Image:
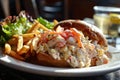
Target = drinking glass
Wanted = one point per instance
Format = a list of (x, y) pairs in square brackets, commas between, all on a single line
[(108, 20)]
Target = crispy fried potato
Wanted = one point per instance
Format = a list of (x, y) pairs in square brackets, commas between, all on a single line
[(26, 37), (42, 26), (24, 50), (33, 28), (55, 22), (20, 43), (36, 26), (15, 55), (7, 48), (34, 43)]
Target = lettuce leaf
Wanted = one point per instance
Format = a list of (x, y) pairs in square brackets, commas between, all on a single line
[(46, 23), (21, 25)]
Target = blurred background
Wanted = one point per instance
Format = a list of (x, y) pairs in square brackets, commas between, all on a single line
[(97, 12), (54, 9)]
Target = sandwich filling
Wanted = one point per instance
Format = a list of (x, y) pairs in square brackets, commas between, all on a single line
[(72, 46)]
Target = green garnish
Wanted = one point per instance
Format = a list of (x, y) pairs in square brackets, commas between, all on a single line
[(46, 23)]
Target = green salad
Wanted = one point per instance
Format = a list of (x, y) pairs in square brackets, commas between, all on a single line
[(19, 25)]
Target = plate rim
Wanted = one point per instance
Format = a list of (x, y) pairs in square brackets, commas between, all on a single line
[(44, 70)]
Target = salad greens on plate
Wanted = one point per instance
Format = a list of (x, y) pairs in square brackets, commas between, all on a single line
[(19, 25)]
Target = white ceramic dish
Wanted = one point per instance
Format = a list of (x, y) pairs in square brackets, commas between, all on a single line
[(113, 65)]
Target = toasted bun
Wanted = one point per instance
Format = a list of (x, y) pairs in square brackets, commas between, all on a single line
[(89, 30), (47, 60)]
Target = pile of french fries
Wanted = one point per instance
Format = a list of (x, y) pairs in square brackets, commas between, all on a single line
[(22, 46)]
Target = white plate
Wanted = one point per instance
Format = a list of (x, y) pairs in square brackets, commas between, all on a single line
[(113, 65)]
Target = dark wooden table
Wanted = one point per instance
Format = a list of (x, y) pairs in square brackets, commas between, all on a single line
[(7, 73)]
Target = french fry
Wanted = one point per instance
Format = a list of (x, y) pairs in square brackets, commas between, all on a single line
[(7, 48), (55, 22), (20, 43), (43, 27), (24, 49), (27, 36), (33, 28), (34, 44), (31, 35), (15, 55), (36, 26), (28, 43), (25, 43)]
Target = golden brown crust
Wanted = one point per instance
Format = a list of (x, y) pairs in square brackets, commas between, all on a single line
[(47, 60), (88, 30)]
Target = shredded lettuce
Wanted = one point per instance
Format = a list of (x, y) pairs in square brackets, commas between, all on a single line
[(46, 23)]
